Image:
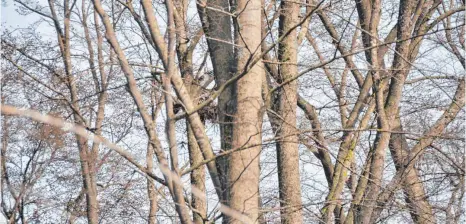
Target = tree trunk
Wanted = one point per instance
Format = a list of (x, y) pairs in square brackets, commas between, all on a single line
[(151, 190), (244, 171), (86, 157), (415, 195), (287, 143), (197, 176), (197, 179), (217, 26)]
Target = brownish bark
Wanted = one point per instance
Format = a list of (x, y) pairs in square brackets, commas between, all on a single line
[(415, 195), (183, 94), (243, 167), (386, 109), (86, 158), (199, 204), (287, 143), (170, 178)]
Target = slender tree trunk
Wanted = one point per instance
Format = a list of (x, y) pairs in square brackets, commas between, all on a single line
[(86, 158), (170, 123), (287, 144), (386, 109), (405, 160), (197, 179), (185, 53), (151, 190), (3, 159), (101, 88), (197, 176)]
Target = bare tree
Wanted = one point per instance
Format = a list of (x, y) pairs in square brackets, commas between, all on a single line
[(298, 111)]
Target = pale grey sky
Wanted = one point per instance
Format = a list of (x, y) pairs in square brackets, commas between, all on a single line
[(11, 18)]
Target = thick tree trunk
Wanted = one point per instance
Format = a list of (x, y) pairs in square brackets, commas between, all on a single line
[(244, 171), (217, 29)]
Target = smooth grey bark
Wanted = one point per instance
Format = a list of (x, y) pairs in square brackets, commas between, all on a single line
[(217, 29)]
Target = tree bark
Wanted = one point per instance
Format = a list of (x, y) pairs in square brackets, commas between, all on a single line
[(151, 190), (415, 195), (197, 176), (217, 29), (86, 157), (244, 171), (386, 109), (287, 143)]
